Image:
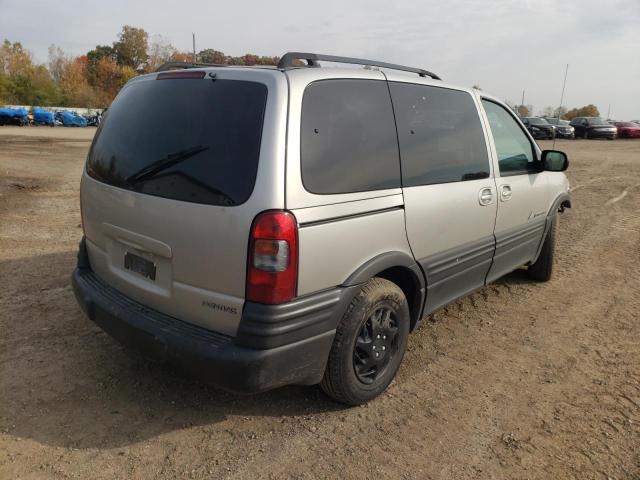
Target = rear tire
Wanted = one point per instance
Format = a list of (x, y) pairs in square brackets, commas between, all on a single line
[(369, 345), (542, 269)]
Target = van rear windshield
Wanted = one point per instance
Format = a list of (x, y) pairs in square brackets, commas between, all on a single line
[(195, 140)]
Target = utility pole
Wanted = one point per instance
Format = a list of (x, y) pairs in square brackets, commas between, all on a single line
[(564, 84), (522, 101), (194, 47)]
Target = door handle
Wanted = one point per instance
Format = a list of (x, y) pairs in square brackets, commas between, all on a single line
[(505, 193), (485, 196)]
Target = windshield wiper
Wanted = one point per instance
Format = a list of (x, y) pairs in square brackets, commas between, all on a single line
[(166, 162)]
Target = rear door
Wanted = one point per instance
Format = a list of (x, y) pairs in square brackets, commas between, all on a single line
[(448, 187), (522, 192), (179, 168)]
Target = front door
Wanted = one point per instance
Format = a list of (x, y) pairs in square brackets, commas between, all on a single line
[(522, 193), (449, 189)]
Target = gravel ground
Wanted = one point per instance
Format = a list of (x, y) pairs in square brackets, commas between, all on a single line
[(519, 380)]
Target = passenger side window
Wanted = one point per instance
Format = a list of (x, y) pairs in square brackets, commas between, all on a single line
[(440, 134), (516, 155), (348, 137)]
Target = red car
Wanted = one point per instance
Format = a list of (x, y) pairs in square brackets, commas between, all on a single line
[(628, 130)]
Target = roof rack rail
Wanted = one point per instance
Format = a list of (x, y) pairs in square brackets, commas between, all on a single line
[(173, 65), (312, 59)]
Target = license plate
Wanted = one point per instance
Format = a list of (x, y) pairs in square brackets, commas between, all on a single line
[(140, 265)]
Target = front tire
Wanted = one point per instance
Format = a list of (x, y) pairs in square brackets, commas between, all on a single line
[(542, 269), (369, 345)]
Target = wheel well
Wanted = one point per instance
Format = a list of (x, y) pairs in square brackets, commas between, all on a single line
[(410, 286)]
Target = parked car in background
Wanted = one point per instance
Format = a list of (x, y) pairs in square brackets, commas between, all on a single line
[(593, 127), (43, 117), (628, 130), (259, 258), (93, 120), (14, 116), (70, 119), (539, 127), (563, 128)]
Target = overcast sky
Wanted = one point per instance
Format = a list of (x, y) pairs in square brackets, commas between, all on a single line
[(505, 46)]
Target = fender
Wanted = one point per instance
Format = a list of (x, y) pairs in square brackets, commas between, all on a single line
[(389, 260), (561, 202)]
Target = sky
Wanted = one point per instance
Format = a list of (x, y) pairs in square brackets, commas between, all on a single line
[(504, 46)]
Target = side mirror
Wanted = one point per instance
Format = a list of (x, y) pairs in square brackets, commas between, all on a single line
[(554, 160)]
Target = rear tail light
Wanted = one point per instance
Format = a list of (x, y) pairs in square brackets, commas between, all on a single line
[(272, 266)]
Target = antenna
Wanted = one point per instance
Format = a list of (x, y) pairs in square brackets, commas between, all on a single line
[(566, 70)]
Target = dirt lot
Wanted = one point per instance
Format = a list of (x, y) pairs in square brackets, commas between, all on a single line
[(518, 381)]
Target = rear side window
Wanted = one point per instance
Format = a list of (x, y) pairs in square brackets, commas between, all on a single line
[(440, 134), (186, 139), (348, 137)]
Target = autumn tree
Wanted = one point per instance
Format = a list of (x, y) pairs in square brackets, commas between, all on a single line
[(111, 78), (181, 57), (21, 81), (586, 111), (131, 48), (74, 84), (94, 79), (212, 56), (94, 56)]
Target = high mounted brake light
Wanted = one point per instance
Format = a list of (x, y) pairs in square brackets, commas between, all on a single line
[(272, 264), (177, 75)]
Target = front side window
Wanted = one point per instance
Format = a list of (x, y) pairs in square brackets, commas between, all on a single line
[(516, 155), (440, 134), (348, 137)]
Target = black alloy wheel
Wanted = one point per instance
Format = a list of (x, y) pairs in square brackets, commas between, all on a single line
[(375, 345)]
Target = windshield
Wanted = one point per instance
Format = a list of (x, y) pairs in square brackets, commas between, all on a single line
[(193, 140), (598, 121), (626, 124), (538, 121)]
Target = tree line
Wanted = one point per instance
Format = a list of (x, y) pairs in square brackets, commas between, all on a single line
[(559, 112), (93, 79)]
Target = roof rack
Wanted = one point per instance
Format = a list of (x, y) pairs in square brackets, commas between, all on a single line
[(173, 65), (312, 59)]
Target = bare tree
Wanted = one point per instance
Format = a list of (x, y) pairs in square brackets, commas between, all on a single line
[(57, 62), (160, 51)]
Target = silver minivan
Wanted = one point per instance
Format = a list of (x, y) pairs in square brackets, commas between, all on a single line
[(262, 227)]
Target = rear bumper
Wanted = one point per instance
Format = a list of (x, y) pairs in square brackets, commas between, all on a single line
[(276, 345)]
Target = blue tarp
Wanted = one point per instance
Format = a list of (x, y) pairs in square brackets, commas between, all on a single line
[(71, 119), (42, 116), (13, 112)]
